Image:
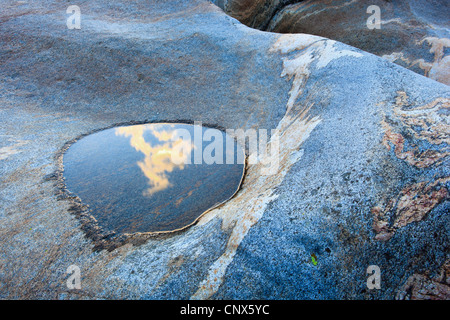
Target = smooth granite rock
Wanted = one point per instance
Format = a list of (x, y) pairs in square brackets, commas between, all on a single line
[(363, 175), (414, 34)]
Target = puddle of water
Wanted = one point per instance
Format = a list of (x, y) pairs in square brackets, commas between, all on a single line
[(129, 179)]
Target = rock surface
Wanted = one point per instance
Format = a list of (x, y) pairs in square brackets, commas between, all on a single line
[(253, 13), (363, 173), (414, 34)]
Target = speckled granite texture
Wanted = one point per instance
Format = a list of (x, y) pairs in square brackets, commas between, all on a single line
[(414, 34), (364, 166)]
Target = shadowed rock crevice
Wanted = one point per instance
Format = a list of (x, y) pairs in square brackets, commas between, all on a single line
[(414, 34), (255, 14)]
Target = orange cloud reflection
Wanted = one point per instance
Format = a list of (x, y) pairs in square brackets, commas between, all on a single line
[(158, 159)]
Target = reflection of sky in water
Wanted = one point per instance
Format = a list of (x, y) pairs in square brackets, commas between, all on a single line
[(158, 156), (127, 177)]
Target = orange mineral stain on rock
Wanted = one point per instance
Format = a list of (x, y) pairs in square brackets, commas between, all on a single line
[(242, 212), (429, 124), (439, 68)]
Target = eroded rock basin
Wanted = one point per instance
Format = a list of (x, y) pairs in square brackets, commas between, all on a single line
[(156, 177)]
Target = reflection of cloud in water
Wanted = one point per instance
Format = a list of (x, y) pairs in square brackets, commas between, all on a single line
[(158, 159)]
